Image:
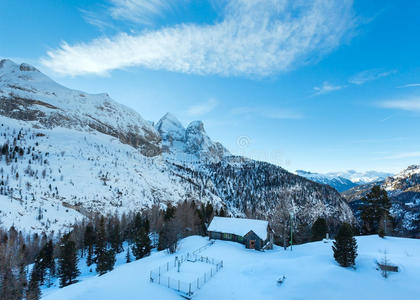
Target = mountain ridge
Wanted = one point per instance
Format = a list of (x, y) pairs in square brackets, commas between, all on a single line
[(71, 154)]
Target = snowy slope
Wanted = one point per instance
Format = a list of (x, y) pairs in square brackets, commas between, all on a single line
[(310, 270), (339, 183), (361, 177), (27, 94), (80, 153), (343, 181), (77, 171)]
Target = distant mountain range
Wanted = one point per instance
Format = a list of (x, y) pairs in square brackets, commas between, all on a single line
[(346, 180), (66, 154), (404, 192)]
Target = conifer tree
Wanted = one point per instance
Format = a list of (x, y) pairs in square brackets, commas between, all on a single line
[(142, 244), (116, 239), (376, 208), (89, 242), (105, 259), (128, 255), (33, 292), (345, 246), (319, 229), (67, 262)]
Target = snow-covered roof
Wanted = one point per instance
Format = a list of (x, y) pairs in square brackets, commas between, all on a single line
[(239, 226)]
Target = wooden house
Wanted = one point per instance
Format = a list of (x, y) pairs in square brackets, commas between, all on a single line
[(254, 234)]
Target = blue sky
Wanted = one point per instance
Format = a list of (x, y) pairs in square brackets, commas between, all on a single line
[(314, 85)]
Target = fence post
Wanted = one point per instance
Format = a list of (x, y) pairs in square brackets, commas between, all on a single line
[(198, 282), (211, 272), (168, 282), (178, 285), (167, 266), (159, 274), (205, 277), (189, 291)]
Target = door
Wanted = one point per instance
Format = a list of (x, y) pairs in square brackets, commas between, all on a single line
[(252, 244)]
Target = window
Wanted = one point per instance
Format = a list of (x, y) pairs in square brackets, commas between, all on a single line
[(240, 238), (227, 236)]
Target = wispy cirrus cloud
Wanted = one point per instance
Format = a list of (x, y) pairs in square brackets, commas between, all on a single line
[(202, 108), (259, 37), (411, 104), (410, 85), (358, 79), (268, 113), (139, 11), (369, 75), (327, 87)]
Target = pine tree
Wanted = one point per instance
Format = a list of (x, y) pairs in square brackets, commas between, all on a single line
[(105, 259), (67, 262), (128, 255), (142, 244), (89, 242), (33, 292), (345, 246), (319, 229), (376, 209), (116, 240)]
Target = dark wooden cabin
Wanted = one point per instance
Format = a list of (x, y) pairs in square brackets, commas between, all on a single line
[(254, 234)]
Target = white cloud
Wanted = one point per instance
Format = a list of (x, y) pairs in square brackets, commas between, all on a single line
[(138, 11), (258, 37), (327, 88), (410, 85), (406, 104), (272, 113), (202, 108), (369, 75)]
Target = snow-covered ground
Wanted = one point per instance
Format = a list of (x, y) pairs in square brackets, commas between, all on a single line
[(310, 270)]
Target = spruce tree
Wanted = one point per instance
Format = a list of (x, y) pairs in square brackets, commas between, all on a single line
[(89, 242), (375, 209), (319, 229), (116, 240), (67, 261), (142, 244), (105, 259), (128, 255), (345, 246), (33, 292)]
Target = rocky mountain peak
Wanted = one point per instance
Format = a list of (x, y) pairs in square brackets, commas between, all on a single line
[(170, 128), (26, 94)]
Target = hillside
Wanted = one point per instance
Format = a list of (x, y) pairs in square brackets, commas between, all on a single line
[(404, 192), (343, 181), (310, 271), (73, 153)]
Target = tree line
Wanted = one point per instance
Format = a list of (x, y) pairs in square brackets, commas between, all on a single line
[(30, 263)]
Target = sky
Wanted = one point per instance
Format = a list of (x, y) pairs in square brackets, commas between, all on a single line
[(314, 85)]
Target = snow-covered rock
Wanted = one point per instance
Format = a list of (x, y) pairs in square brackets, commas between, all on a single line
[(27, 94)]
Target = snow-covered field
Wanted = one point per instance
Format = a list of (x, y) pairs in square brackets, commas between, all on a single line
[(310, 269)]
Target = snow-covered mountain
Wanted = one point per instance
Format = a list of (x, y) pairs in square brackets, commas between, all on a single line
[(346, 180), (339, 183), (67, 154), (27, 94), (189, 144), (404, 192)]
